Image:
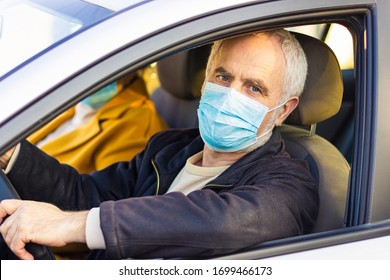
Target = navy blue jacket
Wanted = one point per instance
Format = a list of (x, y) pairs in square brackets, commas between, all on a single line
[(263, 196)]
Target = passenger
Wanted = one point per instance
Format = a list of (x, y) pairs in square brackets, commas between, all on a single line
[(190, 193), (109, 126)]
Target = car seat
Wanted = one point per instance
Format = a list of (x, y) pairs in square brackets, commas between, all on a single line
[(181, 77), (339, 129)]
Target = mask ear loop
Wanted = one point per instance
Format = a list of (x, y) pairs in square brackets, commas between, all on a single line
[(265, 133), (280, 105), (273, 126)]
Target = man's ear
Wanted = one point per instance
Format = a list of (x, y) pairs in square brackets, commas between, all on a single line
[(287, 108)]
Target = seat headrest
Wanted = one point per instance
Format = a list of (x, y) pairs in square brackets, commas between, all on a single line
[(183, 74), (323, 92)]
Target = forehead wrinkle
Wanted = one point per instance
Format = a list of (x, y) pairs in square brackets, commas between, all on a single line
[(252, 58), (228, 58)]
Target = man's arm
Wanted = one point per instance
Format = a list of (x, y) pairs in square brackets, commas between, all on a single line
[(40, 177), (46, 224)]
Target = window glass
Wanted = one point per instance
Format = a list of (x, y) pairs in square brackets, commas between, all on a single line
[(340, 40), (314, 30), (26, 29), (150, 76), (114, 5)]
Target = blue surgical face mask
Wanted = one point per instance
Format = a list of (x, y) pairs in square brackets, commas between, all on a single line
[(101, 97), (229, 120)]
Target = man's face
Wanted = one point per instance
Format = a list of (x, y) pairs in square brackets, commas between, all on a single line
[(252, 65)]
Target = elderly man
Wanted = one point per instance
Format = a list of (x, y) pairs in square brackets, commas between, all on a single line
[(190, 193)]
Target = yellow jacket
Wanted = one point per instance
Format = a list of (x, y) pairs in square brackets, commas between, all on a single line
[(118, 131)]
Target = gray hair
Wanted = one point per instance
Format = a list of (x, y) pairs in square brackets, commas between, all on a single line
[(296, 63)]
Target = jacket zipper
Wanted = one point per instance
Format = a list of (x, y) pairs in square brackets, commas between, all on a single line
[(158, 177)]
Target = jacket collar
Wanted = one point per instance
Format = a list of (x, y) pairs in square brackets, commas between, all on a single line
[(170, 166), (274, 146)]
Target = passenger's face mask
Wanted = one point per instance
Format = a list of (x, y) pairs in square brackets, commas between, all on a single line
[(101, 97), (229, 120)]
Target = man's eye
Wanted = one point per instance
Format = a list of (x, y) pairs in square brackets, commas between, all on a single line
[(223, 78), (255, 89)]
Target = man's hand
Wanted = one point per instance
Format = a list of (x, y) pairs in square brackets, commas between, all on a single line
[(4, 159), (40, 223)]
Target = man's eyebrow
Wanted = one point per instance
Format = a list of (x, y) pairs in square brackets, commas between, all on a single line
[(257, 82), (222, 70)]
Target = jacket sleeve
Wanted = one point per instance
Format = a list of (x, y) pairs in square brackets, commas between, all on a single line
[(38, 176), (208, 222)]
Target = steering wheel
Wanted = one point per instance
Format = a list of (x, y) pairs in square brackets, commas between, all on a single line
[(40, 252)]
